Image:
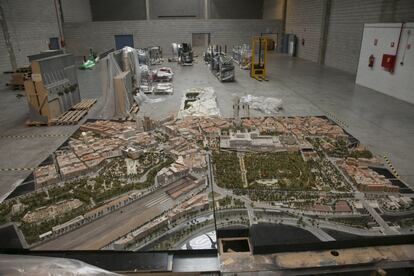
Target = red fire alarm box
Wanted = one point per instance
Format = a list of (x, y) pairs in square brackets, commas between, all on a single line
[(388, 62)]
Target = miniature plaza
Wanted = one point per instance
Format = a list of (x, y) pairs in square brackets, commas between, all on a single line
[(302, 171)]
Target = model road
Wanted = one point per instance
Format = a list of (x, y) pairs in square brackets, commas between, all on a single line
[(98, 233)]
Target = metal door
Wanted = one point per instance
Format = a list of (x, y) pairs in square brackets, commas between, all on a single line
[(200, 42), (54, 43), (124, 40)]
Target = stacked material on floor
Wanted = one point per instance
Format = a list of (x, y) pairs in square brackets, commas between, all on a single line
[(163, 74), (155, 55), (145, 85), (185, 54), (158, 81), (266, 105), (242, 55), (220, 64), (163, 88), (199, 102)]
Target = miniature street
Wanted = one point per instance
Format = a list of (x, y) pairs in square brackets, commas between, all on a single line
[(160, 183)]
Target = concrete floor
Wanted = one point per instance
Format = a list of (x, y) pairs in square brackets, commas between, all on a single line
[(383, 123)]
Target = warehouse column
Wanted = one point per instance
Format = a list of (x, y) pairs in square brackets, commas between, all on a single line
[(280, 37), (147, 9), (326, 15), (206, 9), (58, 8), (6, 36)]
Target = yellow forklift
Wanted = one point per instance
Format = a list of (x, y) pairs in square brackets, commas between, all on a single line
[(259, 55)]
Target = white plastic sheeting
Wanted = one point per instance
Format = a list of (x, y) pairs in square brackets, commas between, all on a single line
[(266, 105), (109, 69), (141, 98), (204, 105), (134, 65), (34, 265)]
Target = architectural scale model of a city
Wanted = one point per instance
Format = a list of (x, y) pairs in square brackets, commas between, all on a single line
[(153, 184)]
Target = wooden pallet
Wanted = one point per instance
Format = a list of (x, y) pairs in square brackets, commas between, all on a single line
[(84, 104), (15, 86), (71, 117)]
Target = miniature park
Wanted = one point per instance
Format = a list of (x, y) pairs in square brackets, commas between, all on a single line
[(301, 171)]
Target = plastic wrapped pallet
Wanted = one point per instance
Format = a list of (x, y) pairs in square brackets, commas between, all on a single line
[(204, 104), (268, 106)]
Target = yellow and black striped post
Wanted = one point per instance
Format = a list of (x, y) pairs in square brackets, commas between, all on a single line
[(393, 170), (34, 136), (16, 169)]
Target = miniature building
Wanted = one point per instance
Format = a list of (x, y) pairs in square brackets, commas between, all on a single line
[(366, 179), (171, 174), (341, 206), (45, 176), (251, 141)]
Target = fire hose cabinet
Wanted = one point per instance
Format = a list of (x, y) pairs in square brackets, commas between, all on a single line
[(388, 62)]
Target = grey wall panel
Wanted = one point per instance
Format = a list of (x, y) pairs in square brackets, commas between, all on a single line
[(347, 22), (76, 10), (117, 10), (4, 57), (167, 9), (100, 35), (236, 9), (304, 18), (31, 24), (273, 9)]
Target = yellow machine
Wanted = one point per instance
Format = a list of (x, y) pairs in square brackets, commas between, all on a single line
[(259, 53)]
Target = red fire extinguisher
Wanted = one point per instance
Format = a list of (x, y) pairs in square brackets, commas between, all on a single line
[(371, 61)]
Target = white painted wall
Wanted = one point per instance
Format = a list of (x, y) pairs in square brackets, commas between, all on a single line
[(399, 84)]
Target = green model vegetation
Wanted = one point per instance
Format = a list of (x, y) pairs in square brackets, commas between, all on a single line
[(289, 169), (91, 191), (340, 148), (278, 171), (227, 169)]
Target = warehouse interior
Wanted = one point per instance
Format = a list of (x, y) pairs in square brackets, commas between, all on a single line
[(350, 61)]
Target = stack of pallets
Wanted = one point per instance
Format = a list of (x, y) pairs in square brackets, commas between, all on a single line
[(70, 117), (75, 114)]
